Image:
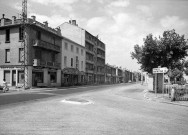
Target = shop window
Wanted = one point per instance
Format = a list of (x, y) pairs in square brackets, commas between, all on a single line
[(53, 78), (7, 36), (39, 77), (7, 55), (7, 76), (20, 76)]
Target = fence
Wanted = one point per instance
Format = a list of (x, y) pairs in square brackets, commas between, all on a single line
[(181, 91)]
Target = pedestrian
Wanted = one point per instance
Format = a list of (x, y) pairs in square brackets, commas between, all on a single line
[(5, 87)]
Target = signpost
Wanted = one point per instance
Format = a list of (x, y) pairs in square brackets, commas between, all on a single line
[(157, 71)]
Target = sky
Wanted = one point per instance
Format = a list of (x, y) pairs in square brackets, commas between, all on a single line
[(120, 24)]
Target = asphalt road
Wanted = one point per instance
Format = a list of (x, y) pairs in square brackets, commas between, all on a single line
[(18, 97), (114, 110)]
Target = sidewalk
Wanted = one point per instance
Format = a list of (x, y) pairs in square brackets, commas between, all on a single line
[(162, 98)]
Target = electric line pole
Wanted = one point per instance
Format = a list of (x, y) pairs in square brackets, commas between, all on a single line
[(24, 43)]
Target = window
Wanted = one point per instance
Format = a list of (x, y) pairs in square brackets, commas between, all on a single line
[(77, 62), (65, 61), (82, 65), (38, 35), (7, 38), (71, 62), (7, 55), (21, 33), (77, 50), (72, 48), (82, 52), (21, 54), (20, 76), (7, 76), (66, 46)]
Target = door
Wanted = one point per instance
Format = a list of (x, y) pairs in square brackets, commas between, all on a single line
[(13, 77)]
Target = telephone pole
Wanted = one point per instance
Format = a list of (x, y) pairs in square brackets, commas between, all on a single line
[(24, 43)]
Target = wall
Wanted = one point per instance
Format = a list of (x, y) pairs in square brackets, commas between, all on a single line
[(74, 33), (73, 55)]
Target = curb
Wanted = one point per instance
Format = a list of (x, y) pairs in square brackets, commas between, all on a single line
[(151, 99)]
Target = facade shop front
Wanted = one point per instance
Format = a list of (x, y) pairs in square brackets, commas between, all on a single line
[(72, 76), (14, 76), (90, 78), (45, 77)]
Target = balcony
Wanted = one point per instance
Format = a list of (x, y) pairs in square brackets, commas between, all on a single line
[(46, 45), (100, 56), (89, 61), (47, 64)]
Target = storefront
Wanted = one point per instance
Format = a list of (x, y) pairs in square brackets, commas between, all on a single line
[(72, 76)]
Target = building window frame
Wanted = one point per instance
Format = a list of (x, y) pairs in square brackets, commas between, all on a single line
[(7, 55), (7, 36), (21, 54), (72, 48), (66, 46), (65, 61), (21, 34), (77, 50), (71, 62)]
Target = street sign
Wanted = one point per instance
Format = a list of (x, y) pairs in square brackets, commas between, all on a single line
[(160, 70)]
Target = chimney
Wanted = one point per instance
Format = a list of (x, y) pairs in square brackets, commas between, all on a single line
[(13, 19), (33, 17), (58, 30), (74, 22), (3, 20), (46, 23)]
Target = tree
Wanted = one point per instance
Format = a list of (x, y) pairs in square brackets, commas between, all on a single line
[(166, 51)]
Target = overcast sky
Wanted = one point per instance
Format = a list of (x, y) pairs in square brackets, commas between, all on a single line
[(120, 24)]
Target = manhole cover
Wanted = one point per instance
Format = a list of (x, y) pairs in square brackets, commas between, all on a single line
[(76, 101)]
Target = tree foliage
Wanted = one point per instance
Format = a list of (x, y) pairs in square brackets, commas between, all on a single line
[(169, 51)]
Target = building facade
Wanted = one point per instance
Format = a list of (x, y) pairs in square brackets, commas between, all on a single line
[(94, 51), (73, 63), (43, 53)]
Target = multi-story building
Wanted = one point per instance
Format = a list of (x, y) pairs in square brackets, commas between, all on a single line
[(73, 63), (110, 75), (95, 50), (43, 53), (119, 75)]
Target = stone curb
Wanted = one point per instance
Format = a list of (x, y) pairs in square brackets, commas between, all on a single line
[(167, 102)]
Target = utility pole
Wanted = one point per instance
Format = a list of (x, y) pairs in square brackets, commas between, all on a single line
[(24, 43)]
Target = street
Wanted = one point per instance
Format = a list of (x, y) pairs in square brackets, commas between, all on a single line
[(113, 110)]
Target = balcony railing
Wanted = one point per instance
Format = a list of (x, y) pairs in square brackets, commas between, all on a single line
[(48, 64), (46, 45)]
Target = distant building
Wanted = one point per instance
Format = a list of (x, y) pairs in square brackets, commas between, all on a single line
[(73, 63), (110, 74), (95, 51), (44, 51)]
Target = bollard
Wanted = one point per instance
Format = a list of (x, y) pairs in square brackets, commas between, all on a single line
[(173, 94)]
